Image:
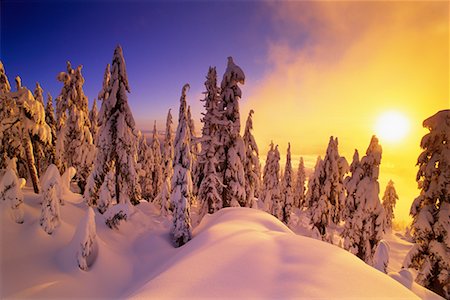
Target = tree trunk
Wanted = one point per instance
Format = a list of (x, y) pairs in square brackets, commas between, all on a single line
[(26, 141)]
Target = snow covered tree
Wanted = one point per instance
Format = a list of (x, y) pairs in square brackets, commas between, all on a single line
[(50, 213), (208, 179), (270, 192), (252, 166), (157, 170), (5, 87), (181, 181), (10, 191), (390, 198), (50, 149), (107, 194), (23, 121), (85, 236), (117, 140), (431, 209), (145, 161), (287, 199), (381, 256), (93, 118), (38, 145), (78, 147), (167, 157), (300, 188), (232, 161), (363, 227)]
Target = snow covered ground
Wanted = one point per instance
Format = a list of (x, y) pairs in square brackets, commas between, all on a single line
[(235, 253)]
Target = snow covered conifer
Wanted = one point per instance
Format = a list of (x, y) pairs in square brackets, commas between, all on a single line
[(287, 198), (431, 209), (86, 237), (300, 188), (234, 151), (10, 191), (50, 214), (93, 118), (157, 171), (167, 157), (381, 256), (181, 181), (270, 191), (364, 223), (252, 166), (145, 161), (117, 140), (50, 149), (390, 198)]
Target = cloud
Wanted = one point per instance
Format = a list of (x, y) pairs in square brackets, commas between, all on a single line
[(334, 67)]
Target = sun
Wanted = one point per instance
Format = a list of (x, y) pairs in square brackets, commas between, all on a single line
[(392, 126)]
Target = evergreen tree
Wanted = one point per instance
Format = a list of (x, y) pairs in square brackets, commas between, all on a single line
[(252, 166), (157, 171), (50, 149), (50, 212), (314, 186), (11, 191), (93, 118), (39, 146), (23, 121), (364, 224), (117, 140), (145, 161), (167, 163), (300, 188), (181, 181), (390, 198), (271, 181), (87, 234), (287, 198), (431, 209), (233, 157), (107, 193), (77, 143), (208, 179)]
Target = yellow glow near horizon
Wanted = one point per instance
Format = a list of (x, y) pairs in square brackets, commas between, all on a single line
[(392, 127)]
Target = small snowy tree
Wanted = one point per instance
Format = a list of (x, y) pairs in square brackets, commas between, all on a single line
[(300, 188), (107, 195), (287, 198), (365, 215), (50, 214), (10, 191), (157, 170), (145, 161), (181, 181), (86, 235), (117, 140), (390, 198), (93, 118), (431, 209), (167, 156), (381, 256), (270, 192), (252, 166), (232, 163)]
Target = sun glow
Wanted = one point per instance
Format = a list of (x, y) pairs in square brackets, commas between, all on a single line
[(392, 127)]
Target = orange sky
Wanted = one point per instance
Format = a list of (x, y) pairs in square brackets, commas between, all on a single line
[(358, 60)]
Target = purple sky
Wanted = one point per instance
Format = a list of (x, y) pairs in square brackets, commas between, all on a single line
[(165, 43)]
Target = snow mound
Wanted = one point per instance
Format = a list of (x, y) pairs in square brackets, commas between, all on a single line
[(245, 253)]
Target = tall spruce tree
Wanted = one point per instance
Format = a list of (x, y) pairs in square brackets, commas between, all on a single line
[(270, 192), (431, 209), (390, 198), (145, 161), (300, 188), (232, 162), (93, 118), (287, 198), (181, 182), (364, 225), (210, 188), (167, 156), (252, 166), (157, 171), (117, 140), (50, 149)]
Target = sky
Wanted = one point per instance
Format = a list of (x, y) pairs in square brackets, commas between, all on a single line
[(314, 69)]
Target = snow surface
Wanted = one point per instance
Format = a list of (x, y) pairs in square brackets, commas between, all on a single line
[(235, 253)]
